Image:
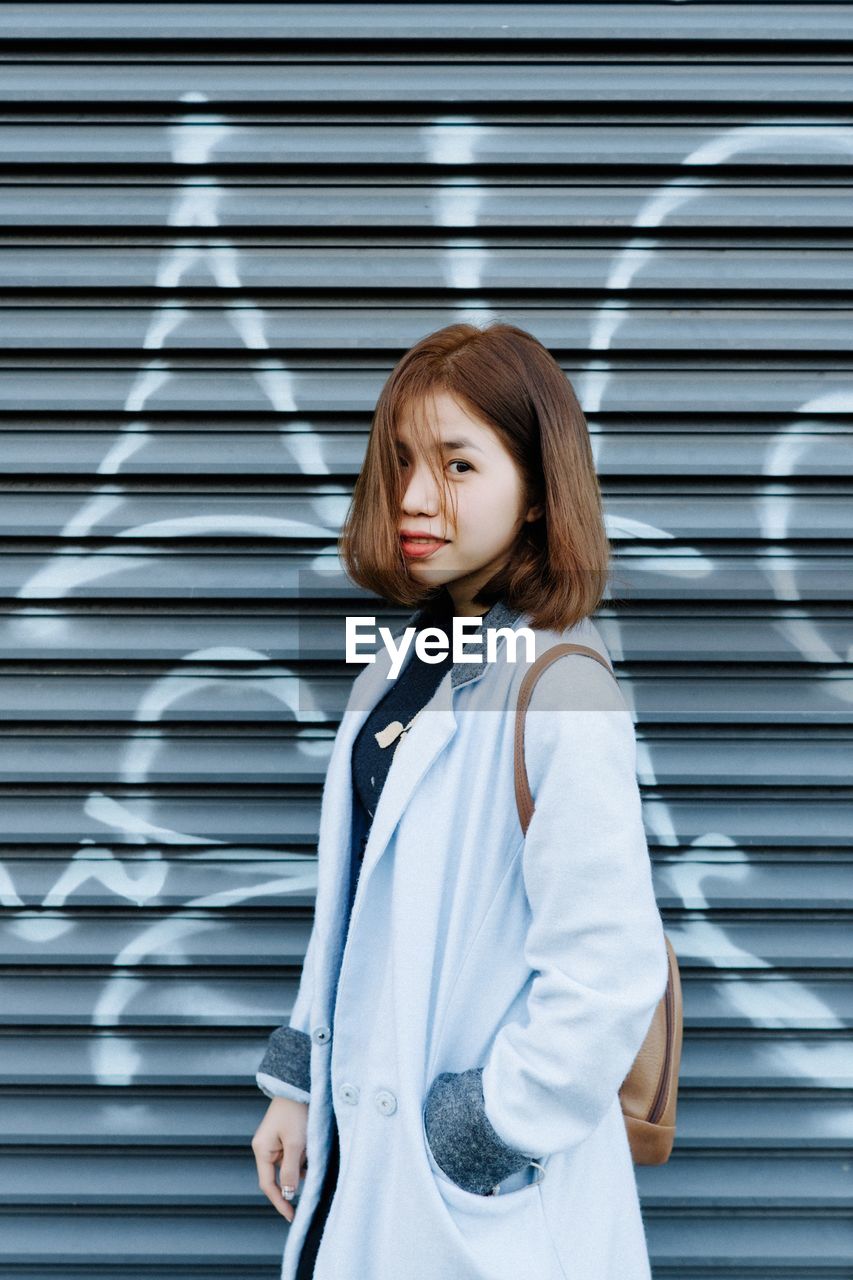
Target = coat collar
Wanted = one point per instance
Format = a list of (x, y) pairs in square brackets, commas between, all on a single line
[(500, 614)]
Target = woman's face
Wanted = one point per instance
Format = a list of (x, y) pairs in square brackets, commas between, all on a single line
[(486, 489)]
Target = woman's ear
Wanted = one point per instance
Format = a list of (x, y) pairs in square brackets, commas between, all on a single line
[(534, 513)]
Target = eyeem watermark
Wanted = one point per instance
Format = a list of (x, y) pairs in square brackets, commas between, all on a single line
[(432, 643)]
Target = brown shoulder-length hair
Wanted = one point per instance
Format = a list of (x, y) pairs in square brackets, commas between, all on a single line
[(557, 571)]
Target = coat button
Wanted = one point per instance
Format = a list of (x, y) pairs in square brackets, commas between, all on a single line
[(349, 1093), (321, 1034), (386, 1102)]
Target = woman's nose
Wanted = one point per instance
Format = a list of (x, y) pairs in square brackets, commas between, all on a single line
[(421, 494)]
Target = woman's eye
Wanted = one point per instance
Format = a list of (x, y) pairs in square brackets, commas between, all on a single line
[(457, 462)]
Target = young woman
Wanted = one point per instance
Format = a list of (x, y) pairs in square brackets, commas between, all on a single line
[(472, 998)]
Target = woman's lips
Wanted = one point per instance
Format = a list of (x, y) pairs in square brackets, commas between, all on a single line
[(418, 550)]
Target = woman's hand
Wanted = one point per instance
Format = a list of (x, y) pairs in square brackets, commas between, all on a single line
[(280, 1137)]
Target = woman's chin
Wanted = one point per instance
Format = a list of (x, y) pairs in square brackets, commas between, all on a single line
[(430, 575)]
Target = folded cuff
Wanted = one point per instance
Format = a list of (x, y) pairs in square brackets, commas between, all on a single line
[(275, 1088), (461, 1136), (288, 1057)]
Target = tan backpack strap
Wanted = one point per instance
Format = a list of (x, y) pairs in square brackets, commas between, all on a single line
[(523, 798)]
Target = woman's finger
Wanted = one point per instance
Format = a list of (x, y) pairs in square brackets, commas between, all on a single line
[(291, 1172), (267, 1156)]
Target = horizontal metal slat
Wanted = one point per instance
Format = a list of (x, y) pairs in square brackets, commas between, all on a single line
[(131, 998), (787, 1122), (320, 452), (137, 1179), (201, 933), (115, 878), (191, 140), (444, 23), (668, 330), (205, 694), (758, 1244), (100, 1056), (262, 822), (158, 756), (249, 1237), (560, 81), (265, 384), (137, 1119), (752, 884), (403, 206), (795, 942), (747, 1181), (667, 266)]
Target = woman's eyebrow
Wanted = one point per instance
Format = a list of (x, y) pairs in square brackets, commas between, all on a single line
[(461, 443)]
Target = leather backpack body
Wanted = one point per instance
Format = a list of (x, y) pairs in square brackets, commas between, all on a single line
[(648, 1094)]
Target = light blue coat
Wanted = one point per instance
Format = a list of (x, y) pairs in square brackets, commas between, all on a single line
[(539, 959)]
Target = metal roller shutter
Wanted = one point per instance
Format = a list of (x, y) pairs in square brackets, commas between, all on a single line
[(221, 226)]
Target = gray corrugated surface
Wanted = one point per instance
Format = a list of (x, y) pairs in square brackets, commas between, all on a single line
[(431, 206), (220, 225), (768, 25), (284, 79), (597, 147)]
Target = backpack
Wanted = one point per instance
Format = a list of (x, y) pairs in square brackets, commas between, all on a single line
[(648, 1093)]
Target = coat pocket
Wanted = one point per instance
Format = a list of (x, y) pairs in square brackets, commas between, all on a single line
[(518, 1188)]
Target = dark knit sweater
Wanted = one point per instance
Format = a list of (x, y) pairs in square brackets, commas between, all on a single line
[(408, 694)]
